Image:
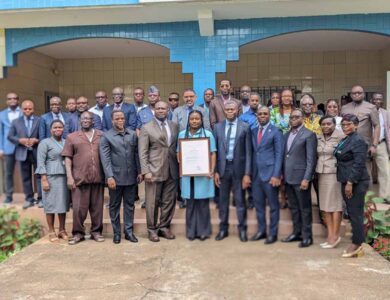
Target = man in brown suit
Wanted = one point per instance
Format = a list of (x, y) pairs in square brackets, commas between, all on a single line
[(157, 154), (216, 108)]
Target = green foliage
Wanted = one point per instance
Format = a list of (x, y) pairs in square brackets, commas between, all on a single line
[(377, 225), (15, 235)]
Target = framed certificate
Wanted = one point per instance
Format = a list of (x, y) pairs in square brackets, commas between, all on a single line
[(194, 157)]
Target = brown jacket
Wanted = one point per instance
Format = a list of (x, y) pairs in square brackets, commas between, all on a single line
[(155, 155), (216, 109)]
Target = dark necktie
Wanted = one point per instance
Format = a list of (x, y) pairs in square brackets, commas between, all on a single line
[(229, 133), (57, 116), (260, 135), (29, 126), (117, 107)]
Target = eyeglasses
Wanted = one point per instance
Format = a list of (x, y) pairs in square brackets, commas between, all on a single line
[(346, 124), (117, 94), (101, 97), (295, 117), (85, 118), (332, 106), (173, 99)]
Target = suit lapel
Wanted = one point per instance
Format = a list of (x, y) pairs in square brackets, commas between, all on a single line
[(223, 129), (34, 124), (158, 131), (300, 132), (238, 132), (265, 135)]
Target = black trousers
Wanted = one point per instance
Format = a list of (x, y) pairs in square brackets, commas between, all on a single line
[(128, 194), (9, 167), (355, 209), (301, 212), (26, 169), (230, 183)]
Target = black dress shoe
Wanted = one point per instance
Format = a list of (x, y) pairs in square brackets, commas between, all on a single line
[(116, 239), (305, 243), (250, 205), (243, 236), (190, 238), (203, 237), (143, 205), (182, 204), (131, 237), (292, 238), (221, 235), (271, 239), (258, 236)]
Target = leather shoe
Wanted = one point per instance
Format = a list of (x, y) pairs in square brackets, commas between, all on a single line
[(97, 237), (153, 237), (131, 237), (305, 243), (258, 236), (116, 239), (182, 204), (292, 238), (28, 204), (243, 236), (221, 235), (8, 200), (166, 233), (270, 239), (203, 237)]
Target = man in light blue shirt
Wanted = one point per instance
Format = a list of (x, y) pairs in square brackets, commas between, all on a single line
[(7, 149), (245, 92)]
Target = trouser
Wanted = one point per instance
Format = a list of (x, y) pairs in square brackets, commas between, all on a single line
[(355, 208), (26, 169), (88, 198), (230, 183), (9, 167), (163, 192), (301, 212), (128, 194), (262, 191), (381, 159)]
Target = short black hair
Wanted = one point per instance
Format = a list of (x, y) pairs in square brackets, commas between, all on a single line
[(327, 117)]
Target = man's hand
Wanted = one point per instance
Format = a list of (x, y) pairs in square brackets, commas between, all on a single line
[(33, 141), (140, 178), (70, 183), (372, 150), (348, 190), (1, 154), (217, 179), (274, 181), (111, 183), (246, 182), (24, 142), (149, 177), (304, 185)]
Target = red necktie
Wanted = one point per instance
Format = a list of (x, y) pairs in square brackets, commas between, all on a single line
[(260, 135)]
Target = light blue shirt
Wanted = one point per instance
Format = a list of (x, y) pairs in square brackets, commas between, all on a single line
[(60, 117), (230, 143), (13, 114)]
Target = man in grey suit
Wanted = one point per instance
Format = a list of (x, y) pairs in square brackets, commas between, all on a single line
[(157, 153), (180, 114), (300, 156), (233, 168), (119, 156), (24, 133)]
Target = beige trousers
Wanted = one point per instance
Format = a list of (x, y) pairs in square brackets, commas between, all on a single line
[(381, 160)]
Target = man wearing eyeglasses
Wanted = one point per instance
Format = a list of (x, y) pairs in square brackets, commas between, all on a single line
[(7, 149), (245, 92), (369, 126), (217, 105), (173, 101), (138, 96), (101, 103)]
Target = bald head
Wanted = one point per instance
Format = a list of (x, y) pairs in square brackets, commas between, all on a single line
[(28, 108)]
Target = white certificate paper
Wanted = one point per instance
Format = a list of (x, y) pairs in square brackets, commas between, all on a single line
[(194, 157)]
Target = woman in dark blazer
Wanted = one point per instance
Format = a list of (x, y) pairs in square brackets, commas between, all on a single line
[(351, 155)]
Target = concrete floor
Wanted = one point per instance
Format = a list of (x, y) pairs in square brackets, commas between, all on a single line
[(181, 269)]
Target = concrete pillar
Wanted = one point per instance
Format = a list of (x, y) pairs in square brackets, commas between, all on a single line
[(2, 52)]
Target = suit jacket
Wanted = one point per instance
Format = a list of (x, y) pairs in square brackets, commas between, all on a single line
[(5, 144), (18, 130), (216, 109), (386, 119), (72, 124), (300, 160), (242, 152), (267, 157), (45, 122), (119, 156), (130, 116), (156, 156), (351, 155), (180, 117)]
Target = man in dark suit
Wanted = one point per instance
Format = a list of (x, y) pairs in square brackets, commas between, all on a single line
[(55, 113), (73, 122), (217, 105), (119, 157), (157, 154), (24, 133), (300, 156), (128, 109), (267, 160), (208, 96), (233, 168), (7, 149)]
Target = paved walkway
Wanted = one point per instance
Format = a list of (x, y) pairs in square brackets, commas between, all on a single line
[(181, 269)]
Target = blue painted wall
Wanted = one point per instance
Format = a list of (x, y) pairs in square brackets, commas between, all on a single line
[(201, 56), (32, 4)]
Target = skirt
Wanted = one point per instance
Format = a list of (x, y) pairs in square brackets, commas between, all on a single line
[(331, 199), (56, 200)]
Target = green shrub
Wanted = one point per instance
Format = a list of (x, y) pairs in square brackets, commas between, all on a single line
[(15, 235)]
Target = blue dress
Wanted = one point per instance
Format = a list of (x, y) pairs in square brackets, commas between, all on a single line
[(203, 186)]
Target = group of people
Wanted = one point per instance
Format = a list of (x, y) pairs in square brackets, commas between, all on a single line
[(269, 151)]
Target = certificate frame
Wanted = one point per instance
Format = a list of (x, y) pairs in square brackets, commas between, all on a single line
[(194, 157)]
